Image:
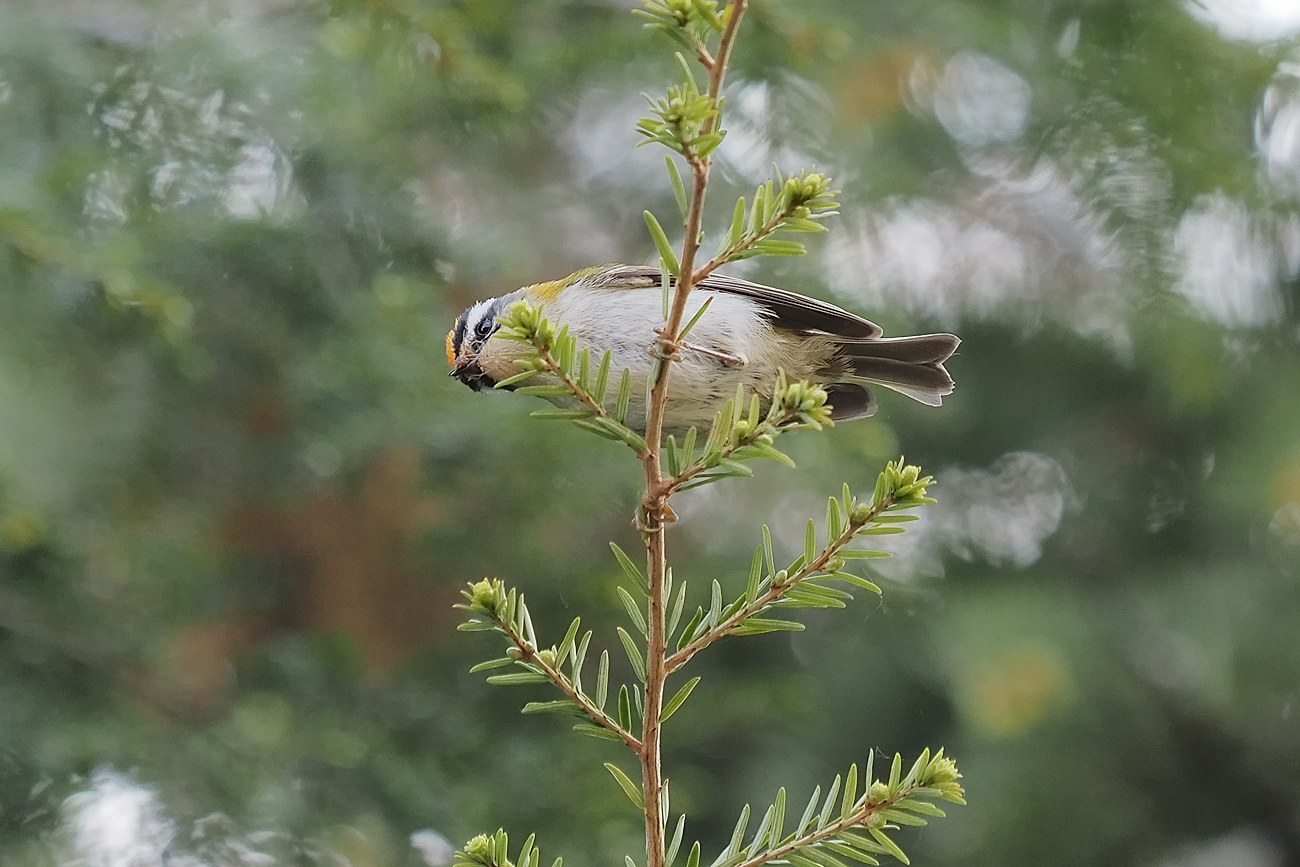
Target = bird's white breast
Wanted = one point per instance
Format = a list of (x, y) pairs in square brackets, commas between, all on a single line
[(624, 321)]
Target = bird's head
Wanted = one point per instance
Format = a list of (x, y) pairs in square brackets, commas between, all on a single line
[(476, 358), (468, 338)]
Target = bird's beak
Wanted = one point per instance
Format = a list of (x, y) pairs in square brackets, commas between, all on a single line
[(467, 371)]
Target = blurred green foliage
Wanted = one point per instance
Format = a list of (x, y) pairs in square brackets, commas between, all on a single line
[(238, 492)]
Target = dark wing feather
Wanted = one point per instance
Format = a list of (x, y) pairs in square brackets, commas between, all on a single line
[(788, 310)]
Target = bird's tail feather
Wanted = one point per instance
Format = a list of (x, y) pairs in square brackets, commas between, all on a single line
[(909, 365), (849, 401)]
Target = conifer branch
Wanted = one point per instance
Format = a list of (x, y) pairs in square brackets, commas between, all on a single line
[(508, 614), (779, 586)]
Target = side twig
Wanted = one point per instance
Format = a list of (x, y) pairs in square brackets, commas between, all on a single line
[(529, 654), (776, 589), (727, 255), (856, 819)]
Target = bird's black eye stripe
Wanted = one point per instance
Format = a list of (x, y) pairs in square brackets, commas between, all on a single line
[(459, 338)]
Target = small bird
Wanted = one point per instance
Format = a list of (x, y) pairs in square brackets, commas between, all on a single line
[(747, 336)]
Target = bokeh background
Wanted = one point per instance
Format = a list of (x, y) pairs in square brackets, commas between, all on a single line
[(239, 494)]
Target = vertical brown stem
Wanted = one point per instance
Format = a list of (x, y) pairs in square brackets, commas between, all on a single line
[(656, 673), (655, 504)]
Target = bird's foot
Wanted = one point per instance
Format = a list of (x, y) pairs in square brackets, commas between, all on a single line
[(727, 358)]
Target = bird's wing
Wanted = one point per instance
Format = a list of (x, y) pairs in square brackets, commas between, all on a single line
[(787, 309)]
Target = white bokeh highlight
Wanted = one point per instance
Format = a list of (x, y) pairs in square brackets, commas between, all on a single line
[(1228, 261), (1248, 20), (764, 122), (182, 141), (434, 849), (601, 134), (1001, 515), (979, 101), (1244, 847), (116, 822), (1277, 129), (1013, 242)]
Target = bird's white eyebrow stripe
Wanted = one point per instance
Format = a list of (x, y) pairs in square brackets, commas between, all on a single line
[(481, 311)]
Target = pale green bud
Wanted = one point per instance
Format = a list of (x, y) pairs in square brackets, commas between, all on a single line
[(479, 848), (942, 770), (484, 596)]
